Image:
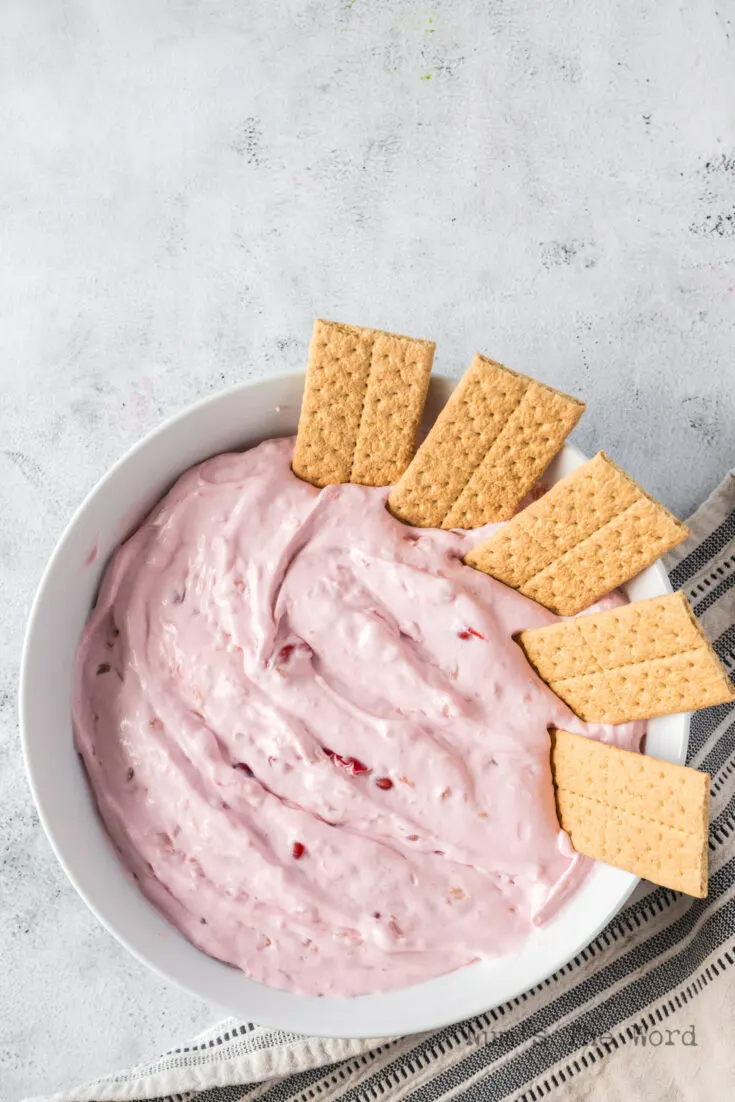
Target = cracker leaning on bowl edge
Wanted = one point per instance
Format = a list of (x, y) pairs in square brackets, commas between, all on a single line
[(590, 533), (632, 811), (489, 446), (593, 531), (364, 396), (645, 659)]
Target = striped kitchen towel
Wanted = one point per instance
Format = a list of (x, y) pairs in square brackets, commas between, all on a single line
[(580, 1034)]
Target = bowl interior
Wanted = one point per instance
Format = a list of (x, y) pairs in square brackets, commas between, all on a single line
[(234, 420)]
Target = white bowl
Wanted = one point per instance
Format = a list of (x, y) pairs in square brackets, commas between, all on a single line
[(234, 420)]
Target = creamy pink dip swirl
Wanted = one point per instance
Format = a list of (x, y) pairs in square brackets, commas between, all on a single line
[(312, 738)]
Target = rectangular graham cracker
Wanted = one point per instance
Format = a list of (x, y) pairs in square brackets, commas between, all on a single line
[(649, 658), (363, 400), (592, 531), (494, 438), (646, 816)]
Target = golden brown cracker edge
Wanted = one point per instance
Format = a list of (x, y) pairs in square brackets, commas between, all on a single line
[(363, 400)]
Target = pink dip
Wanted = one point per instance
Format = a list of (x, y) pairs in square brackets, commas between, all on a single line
[(312, 738)]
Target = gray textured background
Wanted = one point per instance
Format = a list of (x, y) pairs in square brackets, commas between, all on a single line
[(184, 185)]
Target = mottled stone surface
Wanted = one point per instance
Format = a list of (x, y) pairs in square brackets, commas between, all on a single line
[(184, 185)]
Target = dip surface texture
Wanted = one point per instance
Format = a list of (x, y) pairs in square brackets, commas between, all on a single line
[(312, 738)]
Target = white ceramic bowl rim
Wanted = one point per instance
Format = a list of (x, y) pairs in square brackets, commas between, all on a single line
[(232, 420)]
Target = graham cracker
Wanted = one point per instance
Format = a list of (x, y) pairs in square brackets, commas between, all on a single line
[(363, 400), (494, 438), (639, 814), (592, 531), (645, 659)]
